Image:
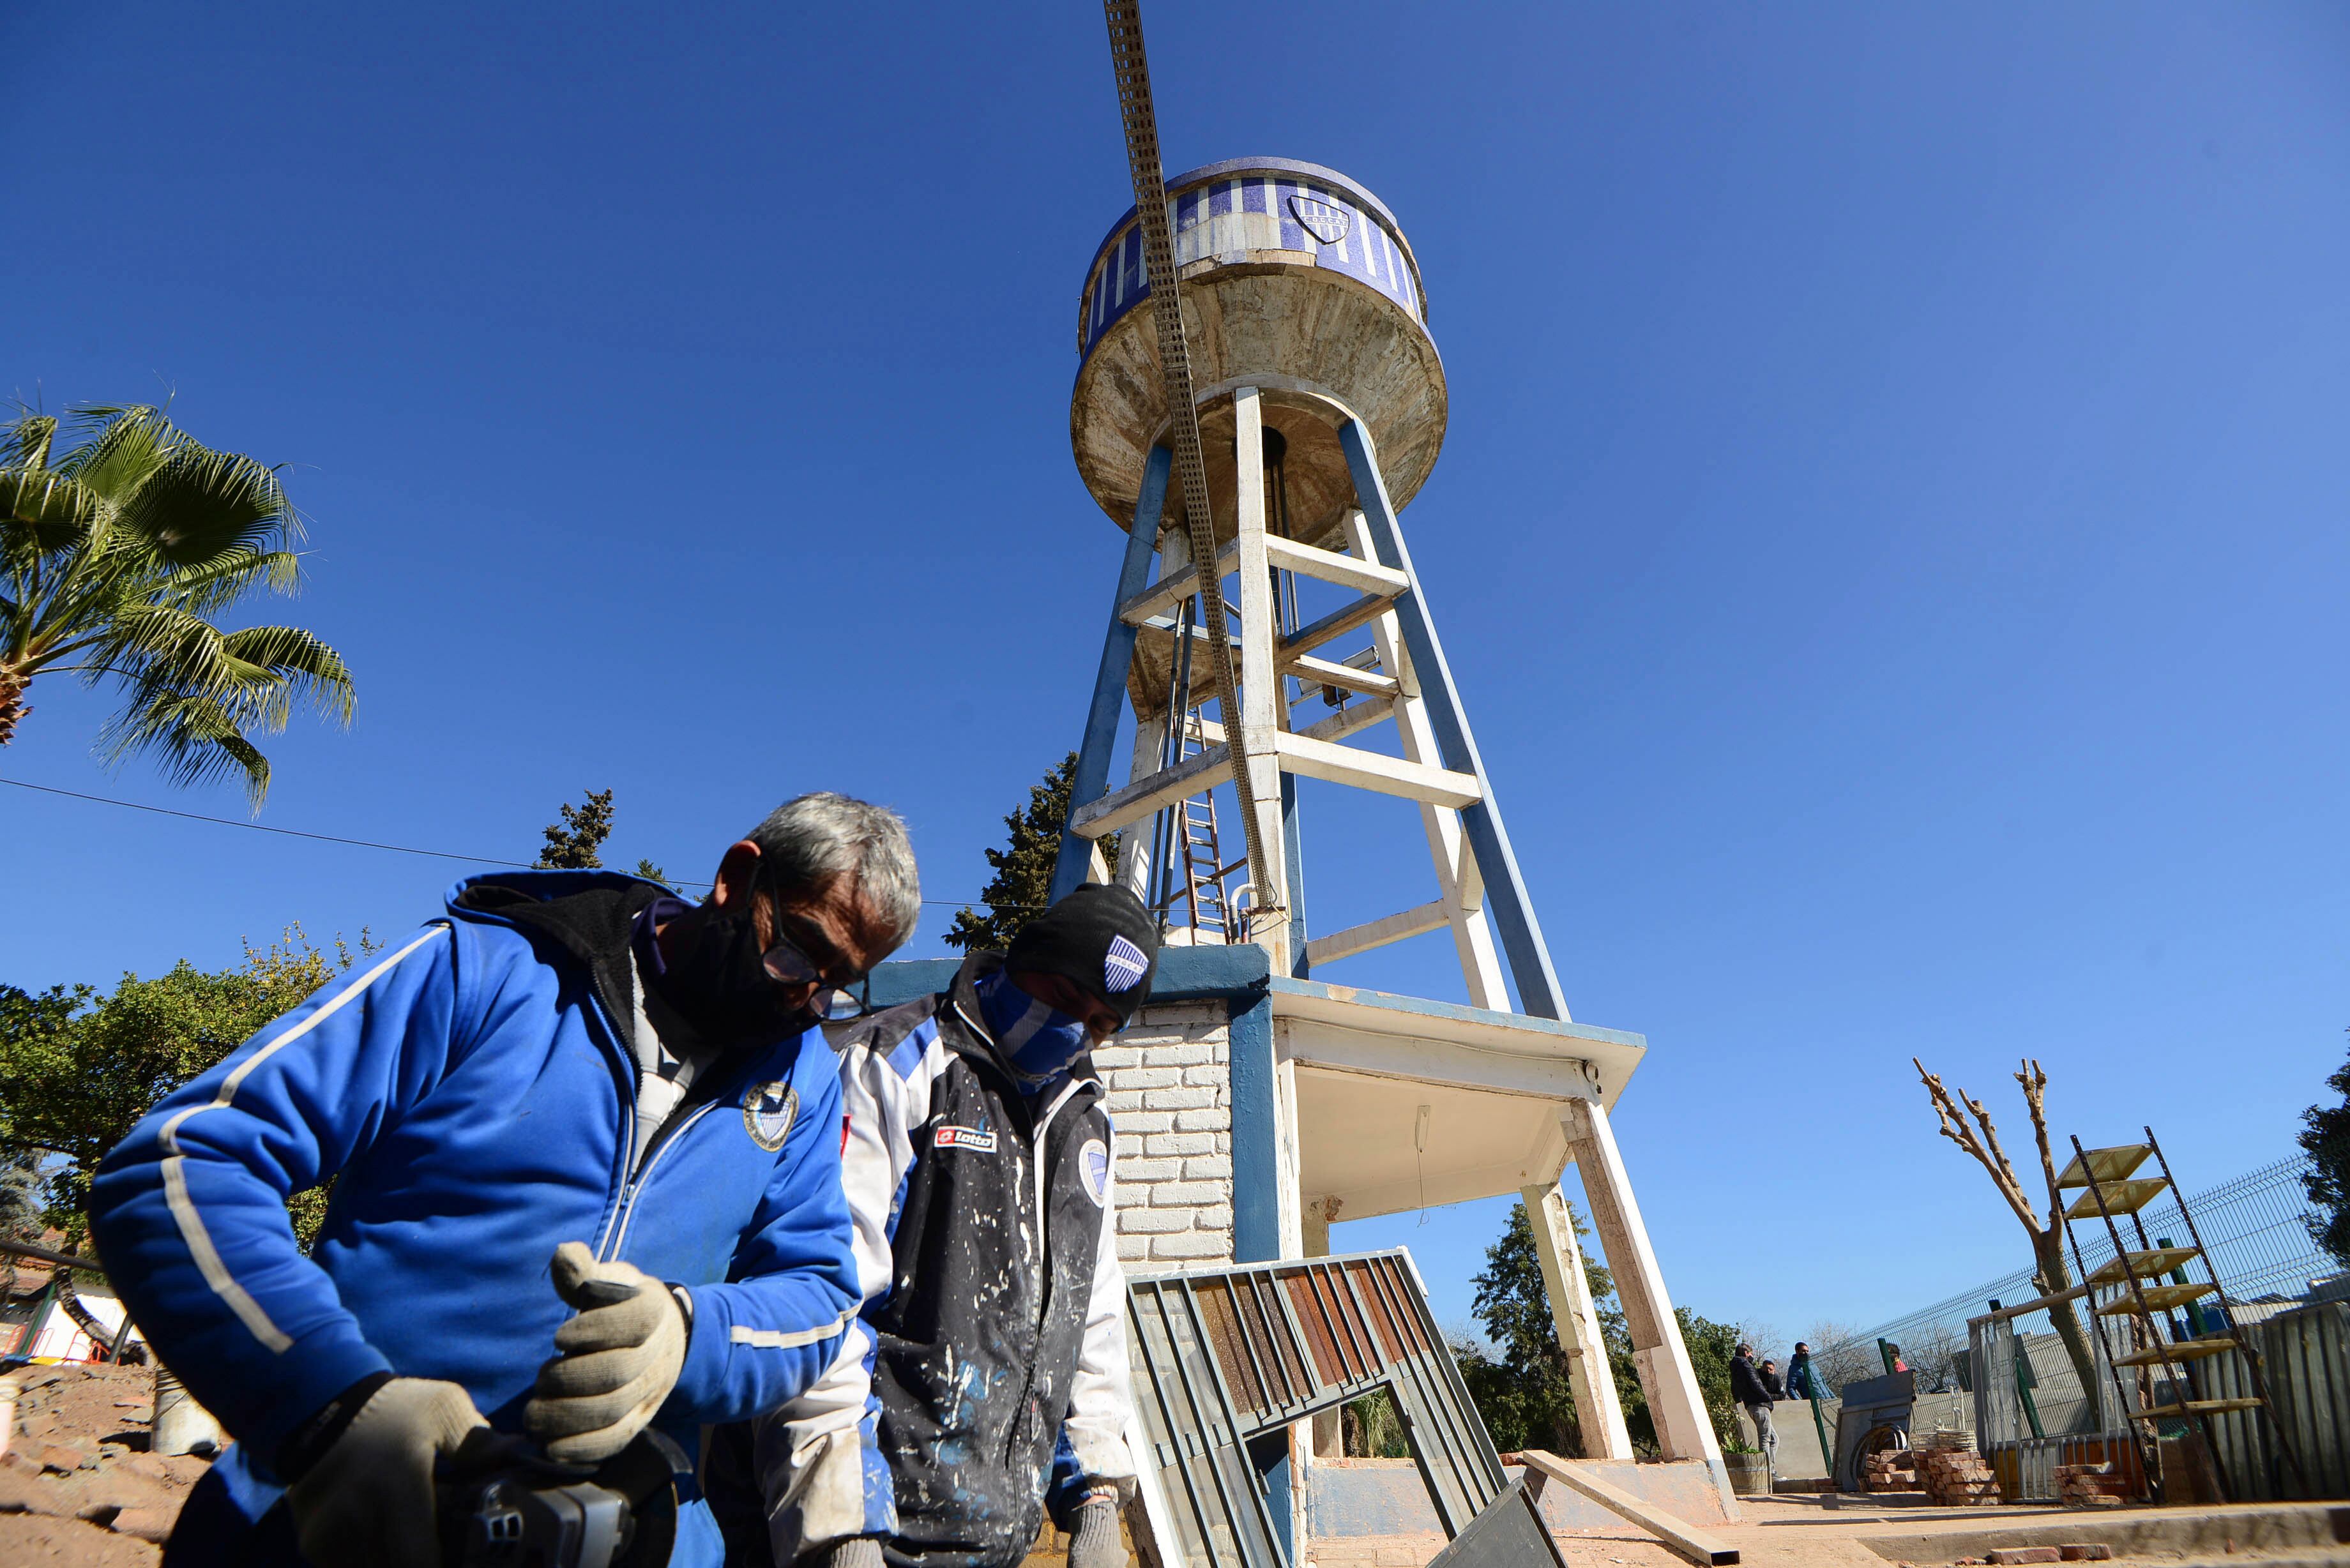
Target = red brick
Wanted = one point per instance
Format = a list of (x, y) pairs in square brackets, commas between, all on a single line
[(2085, 1552)]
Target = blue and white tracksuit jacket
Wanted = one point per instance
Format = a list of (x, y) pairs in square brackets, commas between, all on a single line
[(475, 1101), (994, 1304)]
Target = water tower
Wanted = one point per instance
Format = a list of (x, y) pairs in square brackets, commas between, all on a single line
[(1267, 627)]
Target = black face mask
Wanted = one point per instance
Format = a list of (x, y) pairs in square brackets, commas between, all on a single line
[(718, 983)]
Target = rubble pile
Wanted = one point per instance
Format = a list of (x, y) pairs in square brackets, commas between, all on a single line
[(1955, 1475), (2091, 1486), (1890, 1469), (77, 1483)]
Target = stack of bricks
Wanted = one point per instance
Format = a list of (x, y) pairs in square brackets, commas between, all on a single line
[(1169, 1075), (1890, 1469), (2090, 1486), (1955, 1475)]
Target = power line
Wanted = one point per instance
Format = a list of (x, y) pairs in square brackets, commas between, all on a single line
[(355, 843)]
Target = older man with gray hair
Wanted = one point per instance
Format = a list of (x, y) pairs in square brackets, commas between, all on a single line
[(586, 1148)]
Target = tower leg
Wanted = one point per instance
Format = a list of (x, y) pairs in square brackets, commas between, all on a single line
[(1505, 888), (1458, 886), (1684, 1430), (1576, 1318), (1135, 850), (1091, 779), (1260, 705)]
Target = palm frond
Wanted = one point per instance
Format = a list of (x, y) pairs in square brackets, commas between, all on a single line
[(124, 453), (221, 582), (193, 740), (44, 511), (309, 671), (26, 441), (201, 504)]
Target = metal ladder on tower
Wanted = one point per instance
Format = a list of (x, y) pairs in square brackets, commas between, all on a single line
[(1203, 862), (2138, 1293)]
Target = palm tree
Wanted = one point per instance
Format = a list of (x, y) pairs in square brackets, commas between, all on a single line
[(115, 555)]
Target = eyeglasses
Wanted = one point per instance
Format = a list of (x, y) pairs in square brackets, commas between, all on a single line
[(787, 962)]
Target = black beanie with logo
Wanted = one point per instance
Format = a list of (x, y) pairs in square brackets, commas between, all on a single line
[(1100, 939)]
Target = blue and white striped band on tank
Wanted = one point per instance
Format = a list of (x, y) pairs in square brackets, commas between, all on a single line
[(1268, 205)]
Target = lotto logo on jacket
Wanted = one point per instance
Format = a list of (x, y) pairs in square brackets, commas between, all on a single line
[(980, 1140)]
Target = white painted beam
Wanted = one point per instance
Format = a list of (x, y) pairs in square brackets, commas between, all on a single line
[(1345, 677), (1377, 933), (1576, 1318), (1255, 728), (1684, 1428), (1351, 720), (1144, 797), (1335, 763), (1173, 587), (1684, 1538), (1329, 567)]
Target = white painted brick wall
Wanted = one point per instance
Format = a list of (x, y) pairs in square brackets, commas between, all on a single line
[(1170, 1082)]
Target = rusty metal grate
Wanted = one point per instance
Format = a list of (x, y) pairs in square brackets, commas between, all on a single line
[(1229, 1357)]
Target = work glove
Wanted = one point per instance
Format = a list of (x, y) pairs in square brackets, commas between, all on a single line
[(366, 1501), (617, 1359), (860, 1552), (1094, 1543)]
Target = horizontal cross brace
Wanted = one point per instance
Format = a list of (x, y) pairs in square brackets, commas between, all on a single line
[(1326, 566), (1173, 588), (1335, 763), (1347, 720), (1345, 677), (1372, 934), (1193, 776), (1338, 623), (1329, 567)]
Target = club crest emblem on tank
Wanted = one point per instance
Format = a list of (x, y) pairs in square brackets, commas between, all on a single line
[(1123, 965), (1324, 222), (768, 1112), (1093, 1161)]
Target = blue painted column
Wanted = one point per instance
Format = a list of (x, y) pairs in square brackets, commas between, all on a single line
[(1505, 889), (1293, 851), (1092, 780), (1257, 1128)]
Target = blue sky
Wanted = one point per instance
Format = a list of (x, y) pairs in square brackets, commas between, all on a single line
[(1890, 536)]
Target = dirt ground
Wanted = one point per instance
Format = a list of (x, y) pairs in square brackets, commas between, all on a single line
[(78, 1487)]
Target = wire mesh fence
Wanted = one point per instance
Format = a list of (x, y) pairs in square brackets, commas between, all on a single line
[(2256, 1232)]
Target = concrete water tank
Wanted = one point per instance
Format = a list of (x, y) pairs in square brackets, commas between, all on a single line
[(1294, 278)]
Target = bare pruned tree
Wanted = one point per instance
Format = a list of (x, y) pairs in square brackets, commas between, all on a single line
[(2047, 1235)]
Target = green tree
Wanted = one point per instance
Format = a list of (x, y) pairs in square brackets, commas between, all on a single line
[(78, 1070), (1023, 883), (576, 842), (1522, 1390), (2326, 1138), (117, 554), (572, 843)]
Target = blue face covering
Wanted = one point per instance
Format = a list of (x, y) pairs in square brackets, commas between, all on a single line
[(1035, 1041)]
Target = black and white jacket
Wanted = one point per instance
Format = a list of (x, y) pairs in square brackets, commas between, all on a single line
[(988, 1366)]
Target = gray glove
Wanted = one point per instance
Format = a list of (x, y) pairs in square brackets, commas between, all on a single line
[(366, 1501), (618, 1358), (1095, 1543), (861, 1551)]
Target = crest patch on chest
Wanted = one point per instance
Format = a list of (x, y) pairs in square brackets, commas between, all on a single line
[(1093, 1163), (768, 1112), (980, 1140)]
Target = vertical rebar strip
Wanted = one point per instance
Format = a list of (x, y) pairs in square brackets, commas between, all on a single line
[(1131, 67), (2244, 1346)]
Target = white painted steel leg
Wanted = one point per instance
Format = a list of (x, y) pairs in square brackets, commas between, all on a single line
[(1684, 1430), (1134, 851), (1577, 1316), (1459, 888), (1260, 699)]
